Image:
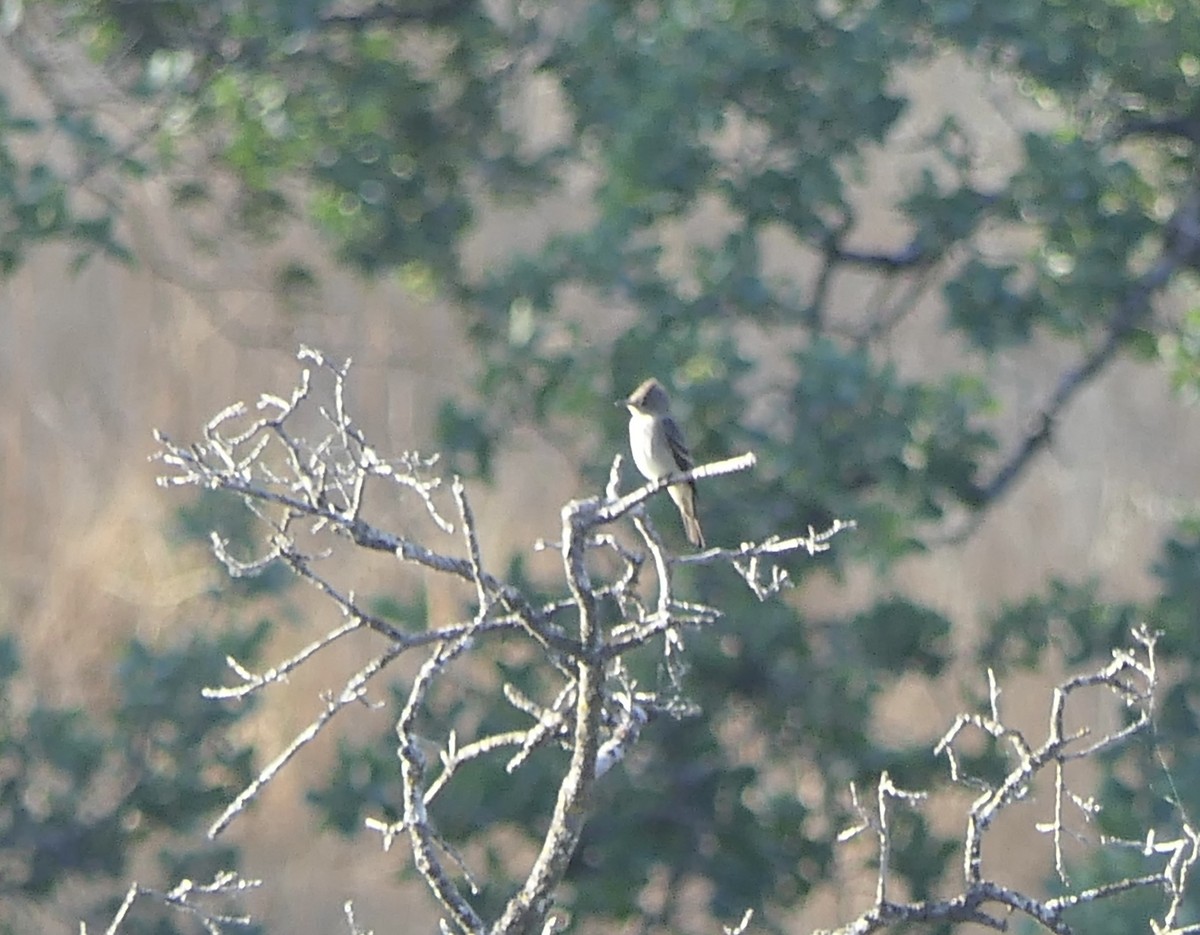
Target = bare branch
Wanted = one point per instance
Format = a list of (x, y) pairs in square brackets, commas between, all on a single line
[(352, 692), (317, 485), (424, 840), (1131, 677), (187, 897)]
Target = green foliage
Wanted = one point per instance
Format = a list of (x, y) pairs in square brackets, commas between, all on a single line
[(1179, 572), (37, 203), (81, 789), (1073, 619), (713, 136), (182, 749), (219, 513), (899, 637), (470, 446)]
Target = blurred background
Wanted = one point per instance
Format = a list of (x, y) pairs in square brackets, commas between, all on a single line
[(934, 263)]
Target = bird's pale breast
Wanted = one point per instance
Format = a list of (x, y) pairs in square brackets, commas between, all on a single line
[(648, 443)]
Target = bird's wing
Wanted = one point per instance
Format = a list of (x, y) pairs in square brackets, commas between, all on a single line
[(683, 458)]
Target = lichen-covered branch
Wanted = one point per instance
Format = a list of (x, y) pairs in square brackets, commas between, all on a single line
[(309, 491), (1132, 678)]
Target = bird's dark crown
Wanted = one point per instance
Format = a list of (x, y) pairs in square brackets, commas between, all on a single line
[(649, 397)]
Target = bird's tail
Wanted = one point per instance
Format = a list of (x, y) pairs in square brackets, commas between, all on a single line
[(684, 496)]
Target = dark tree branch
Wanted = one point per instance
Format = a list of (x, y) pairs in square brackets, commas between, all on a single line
[(1134, 308), (402, 14), (1172, 127)]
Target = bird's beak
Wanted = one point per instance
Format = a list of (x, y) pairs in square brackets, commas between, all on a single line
[(620, 403)]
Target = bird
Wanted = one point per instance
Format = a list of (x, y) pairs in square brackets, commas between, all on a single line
[(658, 449)]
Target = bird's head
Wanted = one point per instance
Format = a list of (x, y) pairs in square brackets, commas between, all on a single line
[(649, 397)]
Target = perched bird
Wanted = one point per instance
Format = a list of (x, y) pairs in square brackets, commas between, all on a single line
[(658, 449)]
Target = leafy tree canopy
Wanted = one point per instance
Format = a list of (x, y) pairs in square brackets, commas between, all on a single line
[(393, 127)]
